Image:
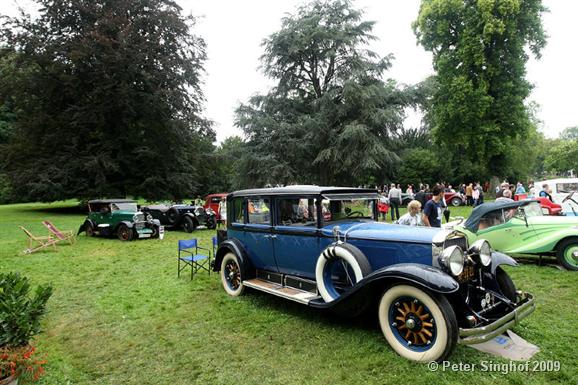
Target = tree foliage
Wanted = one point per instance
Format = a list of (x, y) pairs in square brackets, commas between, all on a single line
[(479, 54), (331, 117), (562, 157), (108, 100)]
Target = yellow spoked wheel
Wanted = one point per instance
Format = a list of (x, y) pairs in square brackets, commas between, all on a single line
[(414, 322), (418, 324)]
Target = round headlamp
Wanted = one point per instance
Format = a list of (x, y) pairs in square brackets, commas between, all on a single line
[(149, 218), (482, 248), (453, 259)]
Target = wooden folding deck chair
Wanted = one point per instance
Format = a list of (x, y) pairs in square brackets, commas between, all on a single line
[(36, 243), (64, 236)]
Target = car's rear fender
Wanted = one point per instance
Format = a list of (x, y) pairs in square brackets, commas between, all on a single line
[(232, 245), (428, 277)]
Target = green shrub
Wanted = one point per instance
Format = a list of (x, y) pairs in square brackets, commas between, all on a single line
[(5, 189), (19, 313)]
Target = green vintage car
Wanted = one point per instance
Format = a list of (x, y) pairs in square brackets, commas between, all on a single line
[(522, 228), (120, 218)]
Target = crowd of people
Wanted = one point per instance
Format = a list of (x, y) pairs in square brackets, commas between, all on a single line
[(436, 208)]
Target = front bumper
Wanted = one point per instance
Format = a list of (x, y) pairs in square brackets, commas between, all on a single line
[(485, 333)]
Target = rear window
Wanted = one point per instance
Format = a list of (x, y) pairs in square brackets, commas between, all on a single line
[(258, 210)]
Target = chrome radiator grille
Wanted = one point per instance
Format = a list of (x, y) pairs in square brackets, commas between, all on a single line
[(462, 242)]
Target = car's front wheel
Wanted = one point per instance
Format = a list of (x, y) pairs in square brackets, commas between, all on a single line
[(188, 224), (419, 325), (124, 233), (231, 275), (567, 253)]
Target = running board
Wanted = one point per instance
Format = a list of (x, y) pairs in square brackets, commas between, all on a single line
[(281, 291)]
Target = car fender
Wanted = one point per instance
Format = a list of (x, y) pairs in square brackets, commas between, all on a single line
[(156, 222), (428, 277), (544, 242), (190, 215), (501, 259), (83, 226), (128, 224), (235, 246)]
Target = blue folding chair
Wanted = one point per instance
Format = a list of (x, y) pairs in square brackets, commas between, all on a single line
[(189, 256)]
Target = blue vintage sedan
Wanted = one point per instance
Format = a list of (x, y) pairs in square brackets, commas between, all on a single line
[(323, 247)]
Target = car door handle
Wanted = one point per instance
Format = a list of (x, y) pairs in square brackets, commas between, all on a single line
[(273, 236), (270, 236)]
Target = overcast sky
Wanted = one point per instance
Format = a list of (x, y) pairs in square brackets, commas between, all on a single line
[(234, 31)]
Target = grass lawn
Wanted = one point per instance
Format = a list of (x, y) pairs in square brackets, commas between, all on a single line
[(119, 315)]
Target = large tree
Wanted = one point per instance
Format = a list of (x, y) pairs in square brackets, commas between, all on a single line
[(479, 52), (108, 100), (330, 118)]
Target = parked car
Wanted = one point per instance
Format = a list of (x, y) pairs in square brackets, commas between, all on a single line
[(120, 218), (323, 247), (563, 193), (212, 201), (522, 228), (186, 217), (452, 198)]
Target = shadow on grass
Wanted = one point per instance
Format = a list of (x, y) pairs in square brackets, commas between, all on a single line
[(368, 320)]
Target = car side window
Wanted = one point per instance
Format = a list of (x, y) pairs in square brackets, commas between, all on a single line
[(258, 210), (491, 219), (237, 214), (296, 212)]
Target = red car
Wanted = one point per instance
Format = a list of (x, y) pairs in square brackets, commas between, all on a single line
[(546, 204), (212, 201)]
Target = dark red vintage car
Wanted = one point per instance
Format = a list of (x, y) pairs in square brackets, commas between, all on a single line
[(212, 201)]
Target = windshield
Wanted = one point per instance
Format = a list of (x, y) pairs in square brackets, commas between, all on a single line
[(126, 206), (531, 210), (338, 210)]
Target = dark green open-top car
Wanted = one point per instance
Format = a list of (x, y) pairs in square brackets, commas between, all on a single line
[(120, 218)]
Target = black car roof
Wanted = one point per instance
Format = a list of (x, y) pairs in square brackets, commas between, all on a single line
[(478, 212), (301, 190), (111, 201)]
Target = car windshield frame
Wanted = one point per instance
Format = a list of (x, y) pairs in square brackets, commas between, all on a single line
[(326, 208), (124, 206)]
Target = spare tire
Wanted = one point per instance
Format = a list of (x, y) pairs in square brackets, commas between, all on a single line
[(339, 267)]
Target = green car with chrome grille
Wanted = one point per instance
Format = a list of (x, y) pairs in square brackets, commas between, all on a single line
[(522, 228), (120, 218)]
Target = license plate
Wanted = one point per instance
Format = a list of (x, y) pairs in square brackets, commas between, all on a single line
[(467, 274), (144, 235)]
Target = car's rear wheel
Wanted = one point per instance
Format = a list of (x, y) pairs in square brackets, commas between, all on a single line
[(88, 229), (124, 233), (419, 325), (231, 275), (567, 253), (456, 201), (188, 224)]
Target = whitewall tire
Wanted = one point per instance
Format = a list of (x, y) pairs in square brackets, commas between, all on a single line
[(231, 275), (418, 325), (355, 265)]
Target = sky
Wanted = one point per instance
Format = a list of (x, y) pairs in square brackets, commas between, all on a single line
[(234, 31)]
